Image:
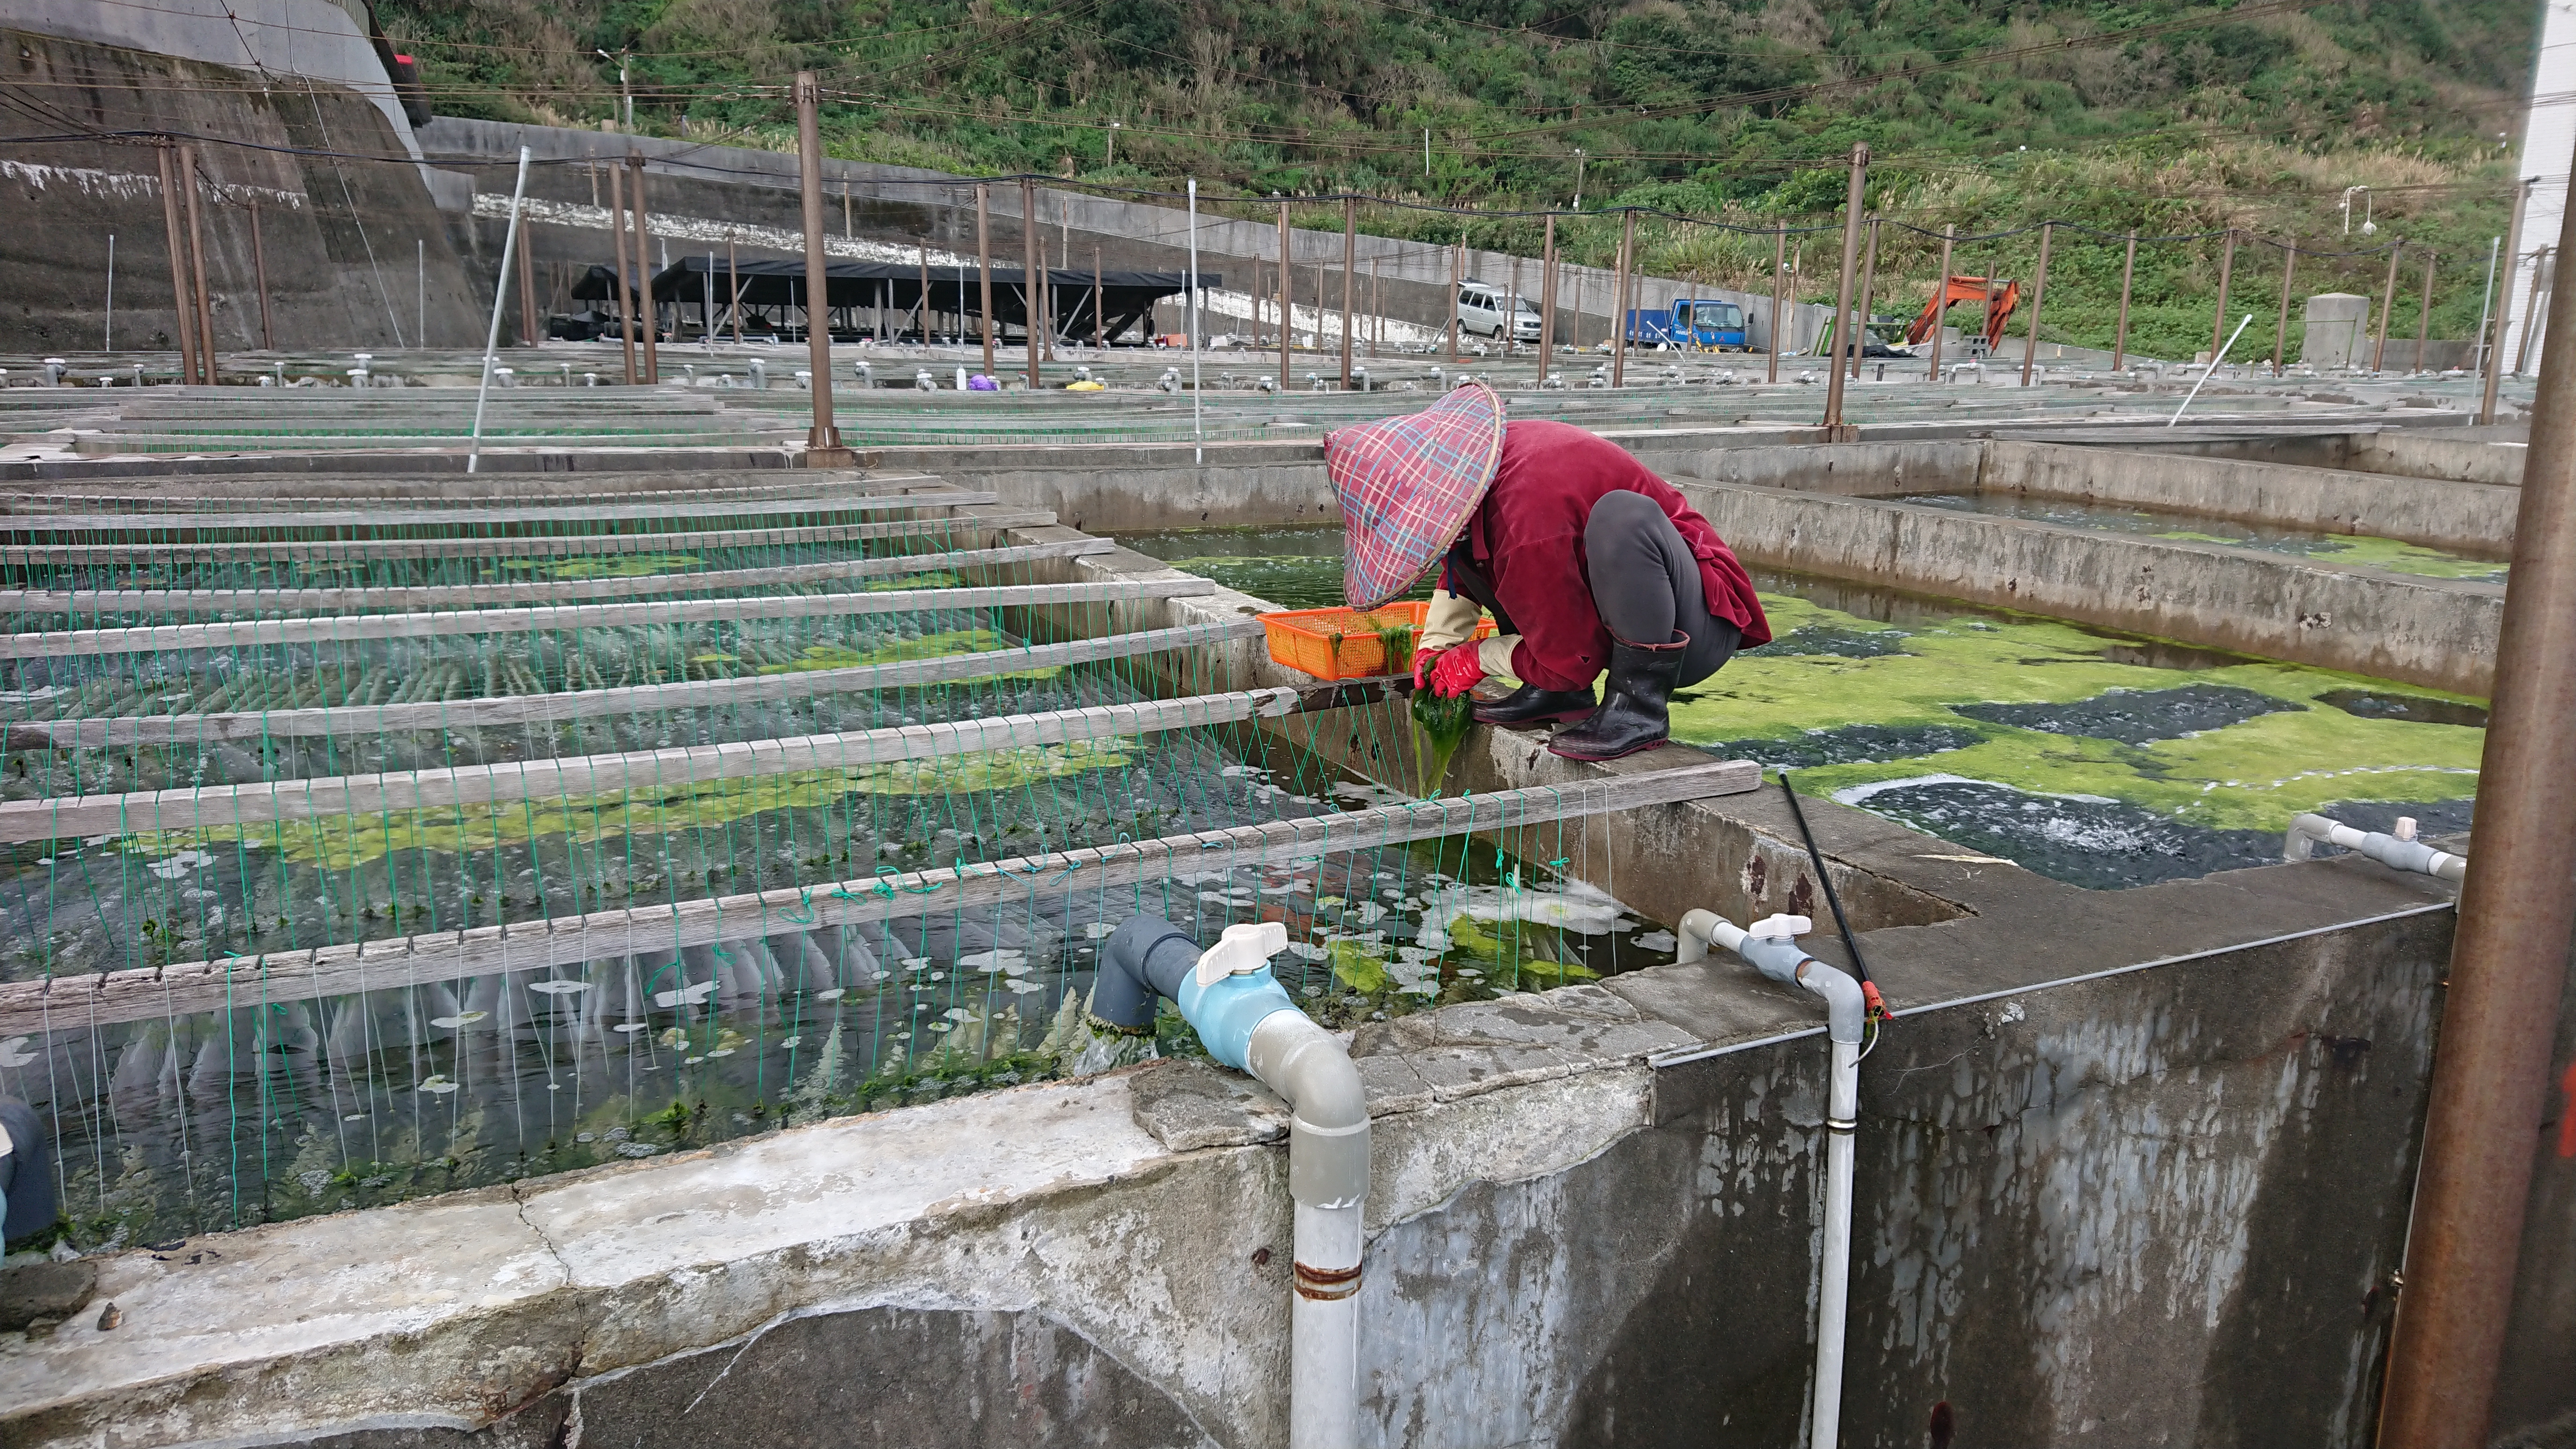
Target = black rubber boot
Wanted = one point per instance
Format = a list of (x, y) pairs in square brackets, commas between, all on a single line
[(26, 1173), (1530, 706), (1634, 715)]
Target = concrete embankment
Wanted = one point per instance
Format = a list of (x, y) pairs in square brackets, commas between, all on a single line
[(2436, 632)]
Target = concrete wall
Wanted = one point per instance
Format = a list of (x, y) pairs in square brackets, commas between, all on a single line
[(343, 237), (2436, 632), (2476, 518), (897, 206)]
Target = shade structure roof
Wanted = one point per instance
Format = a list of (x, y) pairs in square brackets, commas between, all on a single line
[(895, 285)]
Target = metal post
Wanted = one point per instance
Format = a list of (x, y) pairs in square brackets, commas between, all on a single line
[(420, 286), (1198, 423), (1868, 284), (534, 326), (206, 365), (2281, 332), (2530, 311), (259, 273), (823, 440), (1547, 299), (1287, 301), (1350, 268), (1940, 303), (1029, 276), (1619, 300), (2495, 354), (733, 274), (653, 308), (1377, 309), (1099, 323), (2038, 298), (492, 336), (2120, 335), (2486, 308), (2424, 317), (625, 288), (1779, 282), (2508, 966), (1843, 290), (2387, 304), (984, 268), (2226, 269), (1457, 278), (107, 328), (182, 309), (921, 256)]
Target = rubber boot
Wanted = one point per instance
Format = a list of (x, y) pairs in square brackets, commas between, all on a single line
[(26, 1173), (1634, 715), (1530, 706)]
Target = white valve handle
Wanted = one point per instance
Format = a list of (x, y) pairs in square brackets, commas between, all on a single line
[(1241, 950), (1781, 928)]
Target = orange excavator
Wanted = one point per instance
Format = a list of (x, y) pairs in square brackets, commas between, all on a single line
[(2000, 294)]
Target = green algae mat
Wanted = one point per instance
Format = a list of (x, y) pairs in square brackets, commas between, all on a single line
[(2097, 760)]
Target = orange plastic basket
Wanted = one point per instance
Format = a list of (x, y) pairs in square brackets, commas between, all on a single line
[(1343, 643)]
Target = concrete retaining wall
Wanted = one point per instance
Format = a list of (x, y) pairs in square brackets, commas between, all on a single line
[(901, 203), (2436, 632), (2473, 517), (345, 239)]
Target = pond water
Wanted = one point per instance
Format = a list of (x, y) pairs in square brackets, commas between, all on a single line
[(2100, 759), (2361, 550)]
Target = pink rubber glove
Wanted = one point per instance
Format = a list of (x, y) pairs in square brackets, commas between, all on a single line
[(1457, 672)]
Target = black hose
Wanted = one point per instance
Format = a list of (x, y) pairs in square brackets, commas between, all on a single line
[(1842, 923)]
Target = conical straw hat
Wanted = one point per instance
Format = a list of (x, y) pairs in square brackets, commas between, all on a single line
[(1407, 486)]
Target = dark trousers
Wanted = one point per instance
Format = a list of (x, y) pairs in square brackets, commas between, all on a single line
[(1646, 585)]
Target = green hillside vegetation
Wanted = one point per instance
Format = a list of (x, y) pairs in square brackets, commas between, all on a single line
[(1726, 112)]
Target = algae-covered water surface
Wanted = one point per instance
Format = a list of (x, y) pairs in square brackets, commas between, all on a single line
[(2097, 758), (2356, 549)]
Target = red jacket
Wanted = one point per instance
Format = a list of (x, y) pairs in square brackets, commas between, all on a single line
[(1522, 551)]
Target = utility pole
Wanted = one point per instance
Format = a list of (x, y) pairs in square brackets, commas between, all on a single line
[(2387, 304), (1547, 300), (206, 365), (1030, 245), (1619, 300), (2120, 335), (625, 280), (984, 268), (1457, 277), (2226, 266), (1941, 302), (2531, 310), (2281, 332), (259, 273), (2504, 315), (2038, 299), (2508, 967), (653, 308), (1287, 297), (1779, 284), (823, 447), (1834, 430), (182, 306), (1350, 265), (1868, 284), (2424, 317)]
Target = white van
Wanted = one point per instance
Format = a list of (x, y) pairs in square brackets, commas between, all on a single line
[(1481, 310)]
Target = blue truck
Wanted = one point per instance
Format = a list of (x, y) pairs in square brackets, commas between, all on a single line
[(1691, 325)]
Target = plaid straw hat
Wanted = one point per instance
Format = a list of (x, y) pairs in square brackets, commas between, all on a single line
[(1407, 485)]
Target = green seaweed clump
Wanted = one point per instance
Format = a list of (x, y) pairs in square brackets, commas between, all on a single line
[(1397, 641), (1439, 727)]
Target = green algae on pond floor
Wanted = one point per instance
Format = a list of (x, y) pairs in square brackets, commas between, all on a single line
[(2053, 711)]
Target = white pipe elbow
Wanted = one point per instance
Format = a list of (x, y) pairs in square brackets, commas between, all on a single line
[(1328, 1123)]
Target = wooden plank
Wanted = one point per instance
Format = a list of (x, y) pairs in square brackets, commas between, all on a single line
[(336, 628), (511, 709), (583, 776), (416, 517), (145, 993), (180, 601), (607, 543)]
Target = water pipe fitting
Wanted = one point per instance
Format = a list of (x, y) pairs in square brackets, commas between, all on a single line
[(1771, 948), (2400, 851), (1247, 1021)]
